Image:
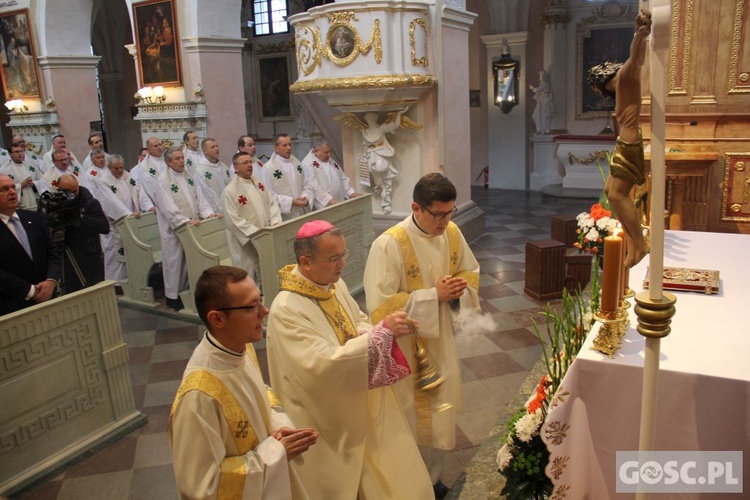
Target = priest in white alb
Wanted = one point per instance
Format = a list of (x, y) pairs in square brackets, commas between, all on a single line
[(62, 163), (334, 371), (228, 437), (193, 154), (248, 207), (59, 143), (177, 202), (147, 172), (26, 176), (424, 266), (211, 174), (333, 184), (127, 200), (284, 176)]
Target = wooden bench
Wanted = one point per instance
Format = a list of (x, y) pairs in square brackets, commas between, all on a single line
[(275, 245), (205, 245), (142, 244)]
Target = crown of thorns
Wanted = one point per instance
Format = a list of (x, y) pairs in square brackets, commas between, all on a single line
[(601, 74)]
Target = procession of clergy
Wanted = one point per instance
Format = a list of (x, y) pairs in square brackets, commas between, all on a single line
[(345, 417)]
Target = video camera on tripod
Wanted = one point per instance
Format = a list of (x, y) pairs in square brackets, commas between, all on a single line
[(61, 210)]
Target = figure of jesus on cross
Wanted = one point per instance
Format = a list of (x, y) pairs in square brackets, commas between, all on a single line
[(627, 166)]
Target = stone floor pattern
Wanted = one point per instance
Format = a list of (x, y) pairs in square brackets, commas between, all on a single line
[(493, 365)]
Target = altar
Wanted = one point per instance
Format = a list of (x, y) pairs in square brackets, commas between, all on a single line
[(704, 383)]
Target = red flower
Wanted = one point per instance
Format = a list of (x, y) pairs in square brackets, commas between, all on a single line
[(316, 164), (242, 200), (261, 186)]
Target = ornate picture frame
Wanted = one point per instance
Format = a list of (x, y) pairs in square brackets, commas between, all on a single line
[(19, 67), (157, 43), (604, 36), (273, 79)]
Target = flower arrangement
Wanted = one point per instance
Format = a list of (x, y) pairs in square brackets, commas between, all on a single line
[(523, 457), (593, 227)]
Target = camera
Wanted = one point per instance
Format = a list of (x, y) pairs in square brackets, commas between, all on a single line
[(60, 209)]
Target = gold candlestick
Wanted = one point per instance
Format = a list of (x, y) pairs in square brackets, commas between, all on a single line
[(614, 325)]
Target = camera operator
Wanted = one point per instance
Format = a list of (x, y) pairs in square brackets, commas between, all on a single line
[(82, 241)]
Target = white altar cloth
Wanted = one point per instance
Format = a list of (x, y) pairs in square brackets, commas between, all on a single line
[(703, 398)]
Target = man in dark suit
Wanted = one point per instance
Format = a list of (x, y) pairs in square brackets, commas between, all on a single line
[(82, 238), (26, 276)]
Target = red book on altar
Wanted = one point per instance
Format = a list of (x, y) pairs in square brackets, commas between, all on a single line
[(688, 280)]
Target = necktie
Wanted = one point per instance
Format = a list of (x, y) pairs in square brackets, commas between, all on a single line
[(21, 235)]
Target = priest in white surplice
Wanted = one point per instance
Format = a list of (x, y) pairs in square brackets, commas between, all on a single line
[(191, 146), (62, 163), (31, 158), (59, 142), (127, 200), (26, 176), (334, 371), (424, 266), (177, 202), (284, 176), (227, 439), (212, 175), (96, 143), (333, 184), (147, 172), (248, 207), (246, 144)]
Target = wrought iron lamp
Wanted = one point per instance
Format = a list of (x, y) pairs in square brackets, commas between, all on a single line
[(505, 80)]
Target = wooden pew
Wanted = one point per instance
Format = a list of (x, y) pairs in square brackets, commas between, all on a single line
[(275, 244), (140, 239), (205, 246)]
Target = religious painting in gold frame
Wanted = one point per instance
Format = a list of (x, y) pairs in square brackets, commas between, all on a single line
[(273, 96), (19, 68), (603, 36), (342, 43), (157, 43)]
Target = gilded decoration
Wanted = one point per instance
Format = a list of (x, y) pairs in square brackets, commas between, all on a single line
[(735, 200), (343, 43), (275, 48), (421, 23), (737, 85), (363, 82), (599, 154), (309, 49), (679, 50)]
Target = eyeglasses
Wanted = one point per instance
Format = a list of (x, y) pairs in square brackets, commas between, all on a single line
[(334, 260), (257, 307), (440, 216)]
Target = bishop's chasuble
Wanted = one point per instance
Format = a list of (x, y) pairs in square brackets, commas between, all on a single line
[(320, 360), (220, 430), (403, 267)]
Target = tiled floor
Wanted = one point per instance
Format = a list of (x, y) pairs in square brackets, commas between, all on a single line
[(493, 365)]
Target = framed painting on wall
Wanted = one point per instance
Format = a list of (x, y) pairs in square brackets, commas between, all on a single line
[(157, 43), (273, 75), (19, 67)]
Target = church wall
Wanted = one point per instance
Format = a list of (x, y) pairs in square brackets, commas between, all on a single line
[(478, 82)]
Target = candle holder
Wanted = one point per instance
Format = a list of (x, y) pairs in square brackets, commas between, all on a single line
[(614, 326), (628, 294)]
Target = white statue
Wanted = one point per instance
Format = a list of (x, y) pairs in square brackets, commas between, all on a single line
[(545, 106), (378, 151)]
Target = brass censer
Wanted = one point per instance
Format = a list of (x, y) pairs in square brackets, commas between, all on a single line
[(428, 378)]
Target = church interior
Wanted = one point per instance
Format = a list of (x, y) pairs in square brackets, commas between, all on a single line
[(491, 93)]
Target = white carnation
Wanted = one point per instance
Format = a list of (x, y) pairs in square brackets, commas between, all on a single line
[(603, 223), (504, 456), (592, 235), (528, 426), (612, 225)]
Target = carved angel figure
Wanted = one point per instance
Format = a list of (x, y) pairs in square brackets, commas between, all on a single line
[(378, 151)]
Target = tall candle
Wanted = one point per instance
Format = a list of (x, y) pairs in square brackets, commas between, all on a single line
[(625, 278), (612, 274), (660, 47)]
